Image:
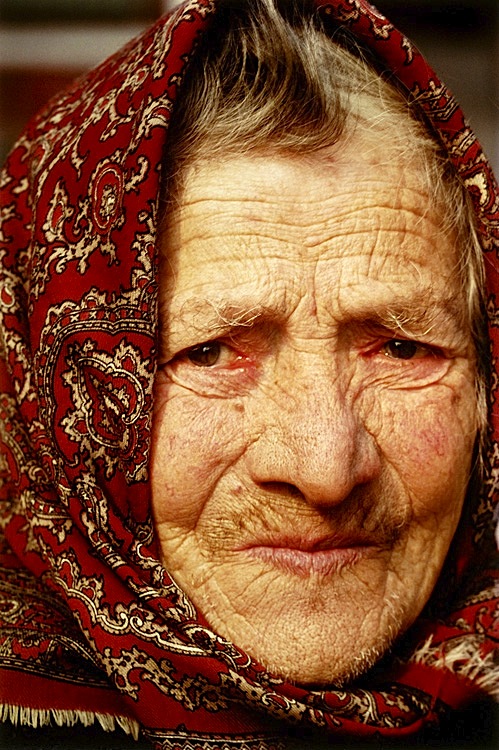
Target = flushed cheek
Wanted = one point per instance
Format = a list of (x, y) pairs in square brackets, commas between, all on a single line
[(427, 439), (195, 441)]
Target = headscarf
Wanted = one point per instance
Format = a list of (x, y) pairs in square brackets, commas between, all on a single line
[(92, 626)]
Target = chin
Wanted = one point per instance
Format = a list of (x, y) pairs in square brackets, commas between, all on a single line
[(328, 648), (334, 673)]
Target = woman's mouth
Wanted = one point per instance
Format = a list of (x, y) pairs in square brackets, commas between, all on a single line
[(304, 558)]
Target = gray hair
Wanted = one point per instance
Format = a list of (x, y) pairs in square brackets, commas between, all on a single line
[(268, 79)]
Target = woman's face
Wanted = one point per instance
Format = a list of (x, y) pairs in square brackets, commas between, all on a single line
[(315, 405)]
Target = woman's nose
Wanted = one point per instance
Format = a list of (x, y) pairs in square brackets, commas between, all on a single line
[(314, 441)]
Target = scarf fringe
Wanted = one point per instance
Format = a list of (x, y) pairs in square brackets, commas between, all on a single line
[(464, 659), (41, 717)]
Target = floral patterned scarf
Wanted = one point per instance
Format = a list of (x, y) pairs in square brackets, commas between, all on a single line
[(92, 628)]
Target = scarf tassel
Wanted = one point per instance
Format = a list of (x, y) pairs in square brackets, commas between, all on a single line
[(41, 717)]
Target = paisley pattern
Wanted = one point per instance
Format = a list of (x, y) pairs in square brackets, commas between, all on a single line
[(90, 622)]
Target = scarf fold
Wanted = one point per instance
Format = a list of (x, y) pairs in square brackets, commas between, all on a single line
[(92, 628)]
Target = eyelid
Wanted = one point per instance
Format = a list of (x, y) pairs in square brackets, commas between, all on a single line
[(227, 379), (249, 341), (366, 335), (378, 345)]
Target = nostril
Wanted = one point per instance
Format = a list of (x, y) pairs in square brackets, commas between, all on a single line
[(283, 489)]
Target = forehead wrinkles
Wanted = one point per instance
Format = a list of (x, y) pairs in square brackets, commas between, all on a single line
[(224, 219), (244, 212), (314, 204), (387, 247), (385, 244)]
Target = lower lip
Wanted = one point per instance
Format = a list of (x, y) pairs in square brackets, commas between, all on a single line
[(304, 563)]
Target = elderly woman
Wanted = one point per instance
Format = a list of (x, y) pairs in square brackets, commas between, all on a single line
[(248, 475)]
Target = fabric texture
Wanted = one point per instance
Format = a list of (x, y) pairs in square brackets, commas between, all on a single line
[(92, 628)]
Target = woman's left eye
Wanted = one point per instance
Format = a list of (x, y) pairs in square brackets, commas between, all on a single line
[(404, 349)]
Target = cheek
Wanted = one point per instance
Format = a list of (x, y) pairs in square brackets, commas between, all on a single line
[(428, 439), (194, 441)]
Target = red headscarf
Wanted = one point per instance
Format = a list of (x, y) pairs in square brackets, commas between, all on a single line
[(91, 625)]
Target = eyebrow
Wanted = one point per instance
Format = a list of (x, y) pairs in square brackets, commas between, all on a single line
[(229, 315), (215, 318), (222, 316), (416, 316)]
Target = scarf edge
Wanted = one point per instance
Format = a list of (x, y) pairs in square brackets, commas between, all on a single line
[(42, 717)]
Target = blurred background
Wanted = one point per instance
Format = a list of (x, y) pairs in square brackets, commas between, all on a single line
[(44, 44)]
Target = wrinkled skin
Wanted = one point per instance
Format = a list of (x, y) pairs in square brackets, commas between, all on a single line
[(311, 460)]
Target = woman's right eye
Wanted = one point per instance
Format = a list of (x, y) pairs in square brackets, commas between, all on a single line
[(212, 354), (212, 368), (204, 355)]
